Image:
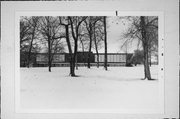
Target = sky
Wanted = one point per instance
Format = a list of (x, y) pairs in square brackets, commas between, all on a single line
[(115, 29)]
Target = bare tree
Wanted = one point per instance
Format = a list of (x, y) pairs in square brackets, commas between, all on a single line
[(105, 44), (50, 30), (33, 21), (145, 43), (152, 36), (65, 22), (28, 38), (98, 37), (75, 23), (24, 31), (83, 45), (24, 36), (145, 29), (90, 26)]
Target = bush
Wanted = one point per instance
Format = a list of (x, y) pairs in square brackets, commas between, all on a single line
[(138, 57)]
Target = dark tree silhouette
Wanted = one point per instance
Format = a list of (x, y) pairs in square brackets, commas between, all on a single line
[(145, 29), (75, 23), (24, 31), (105, 44), (98, 37), (145, 47), (65, 22), (33, 21), (90, 26), (28, 37), (50, 30)]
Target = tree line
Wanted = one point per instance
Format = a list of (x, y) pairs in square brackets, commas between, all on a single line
[(86, 32)]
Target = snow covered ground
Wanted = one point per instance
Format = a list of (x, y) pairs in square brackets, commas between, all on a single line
[(119, 87)]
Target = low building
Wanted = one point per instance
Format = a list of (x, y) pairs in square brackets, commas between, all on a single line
[(63, 59)]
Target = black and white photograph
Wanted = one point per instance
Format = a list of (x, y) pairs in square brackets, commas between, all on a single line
[(89, 59), (89, 62)]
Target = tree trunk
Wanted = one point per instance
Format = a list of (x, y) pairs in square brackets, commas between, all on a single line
[(72, 73), (150, 57), (76, 63), (97, 59), (146, 64), (49, 54), (83, 53), (145, 48), (96, 47), (49, 44), (74, 59), (75, 37), (29, 53), (70, 51), (72, 66), (90, 45), (105, 44)]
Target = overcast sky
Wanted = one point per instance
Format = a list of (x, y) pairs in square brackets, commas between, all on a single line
[(115, 29)]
